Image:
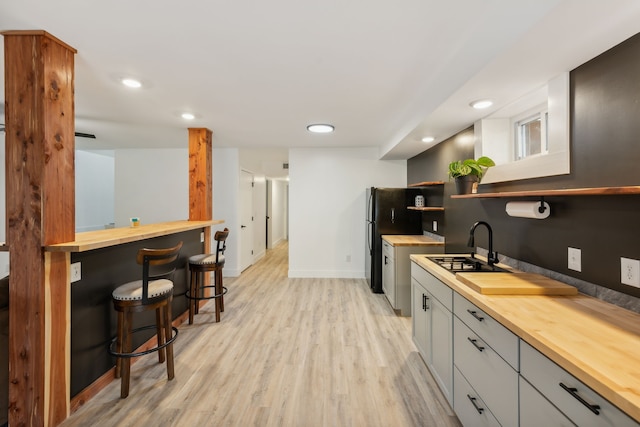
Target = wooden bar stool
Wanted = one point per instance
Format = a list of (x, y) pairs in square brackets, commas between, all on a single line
[(201, 264), (153, 292)]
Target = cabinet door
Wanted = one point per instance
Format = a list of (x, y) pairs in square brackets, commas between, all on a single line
[(420, 319), (389, 278), (442, 347)]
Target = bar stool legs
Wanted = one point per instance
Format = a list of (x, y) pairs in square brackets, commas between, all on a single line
[(196, 288), (153, 292), (199, 265)]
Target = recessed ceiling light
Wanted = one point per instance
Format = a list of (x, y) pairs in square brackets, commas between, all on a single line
[(188, 116), (482, 103), (320, 128), (428, 139), (131, 83)]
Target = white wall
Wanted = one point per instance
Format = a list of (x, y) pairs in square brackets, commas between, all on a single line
[(259, 217), (327, 207), (278, 212), (226, 188), (95, 182), (152, 184)]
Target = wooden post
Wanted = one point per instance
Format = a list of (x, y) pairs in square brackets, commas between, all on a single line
[(200, 175), (201, 184), (40, 210)]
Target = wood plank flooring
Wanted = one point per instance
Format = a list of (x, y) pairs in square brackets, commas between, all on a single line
[(287, 352)]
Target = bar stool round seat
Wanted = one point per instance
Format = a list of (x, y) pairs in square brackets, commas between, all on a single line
[(201, 264), (153, 292), (132, 291)]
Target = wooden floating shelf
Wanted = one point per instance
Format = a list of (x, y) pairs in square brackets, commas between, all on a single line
[(596, 191), (425, 208), (426, 184)]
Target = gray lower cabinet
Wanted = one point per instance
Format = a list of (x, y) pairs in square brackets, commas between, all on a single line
[(489, 375), (396, 273), (493, 379), (432, 320), (536, 410), (579, 403), (469, 406)]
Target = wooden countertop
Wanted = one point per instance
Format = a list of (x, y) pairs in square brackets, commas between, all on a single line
[(411, 240), (90, 240), (597, 342)]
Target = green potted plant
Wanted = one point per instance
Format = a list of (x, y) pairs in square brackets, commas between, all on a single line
[(469, 171)]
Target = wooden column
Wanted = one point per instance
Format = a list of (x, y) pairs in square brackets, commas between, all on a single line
[(40, 210), (201, 185), (200, 175)]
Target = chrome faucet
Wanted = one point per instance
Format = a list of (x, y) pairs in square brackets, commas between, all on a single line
[(492, 257)]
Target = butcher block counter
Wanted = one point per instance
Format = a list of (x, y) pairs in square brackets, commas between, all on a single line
[(90, 240), (411, 240), (597, 342)]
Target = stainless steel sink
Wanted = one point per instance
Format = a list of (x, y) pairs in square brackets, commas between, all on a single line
[(467, 264)]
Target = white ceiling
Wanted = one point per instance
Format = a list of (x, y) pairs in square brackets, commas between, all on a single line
[(256, 72)]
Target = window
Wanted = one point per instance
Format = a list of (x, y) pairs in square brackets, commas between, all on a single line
[(531, 135), (528, 138)]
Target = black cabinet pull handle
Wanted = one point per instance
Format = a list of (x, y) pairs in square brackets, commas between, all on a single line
[(475, 314), (475, 405), (385, 260), (426, 303), (475, 344), (574, 392)]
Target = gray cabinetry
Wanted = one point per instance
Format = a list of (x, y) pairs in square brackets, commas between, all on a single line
[(469, 406), (579, 403), (486, 356), (432, 319), (536, 411), (396, 273)]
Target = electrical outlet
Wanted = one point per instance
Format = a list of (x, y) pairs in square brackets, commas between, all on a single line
[(348, 258), (575, 259), (202, 237), (75, 272), (630, 272), (435, 225)]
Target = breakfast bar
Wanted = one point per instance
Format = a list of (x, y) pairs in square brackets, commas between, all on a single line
[(106, 259)]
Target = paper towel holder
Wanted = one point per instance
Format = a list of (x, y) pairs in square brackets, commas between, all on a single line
[(542, 206), (533, 209)]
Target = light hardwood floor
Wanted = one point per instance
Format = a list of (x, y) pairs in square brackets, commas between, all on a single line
[(287, 352)]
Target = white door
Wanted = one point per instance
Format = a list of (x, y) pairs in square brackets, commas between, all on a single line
[(246, 220), (269, 214)]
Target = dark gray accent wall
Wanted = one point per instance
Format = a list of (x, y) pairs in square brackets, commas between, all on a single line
[(605, 151)]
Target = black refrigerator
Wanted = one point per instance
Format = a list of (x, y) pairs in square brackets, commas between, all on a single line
[(387, 213)]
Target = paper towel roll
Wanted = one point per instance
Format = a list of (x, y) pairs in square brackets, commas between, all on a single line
[(528, 209)]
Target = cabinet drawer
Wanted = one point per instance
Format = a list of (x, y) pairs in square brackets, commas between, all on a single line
[(502, 340), (439, 290), (468, 406), (546, 376), (536, 411), (492, 378)]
